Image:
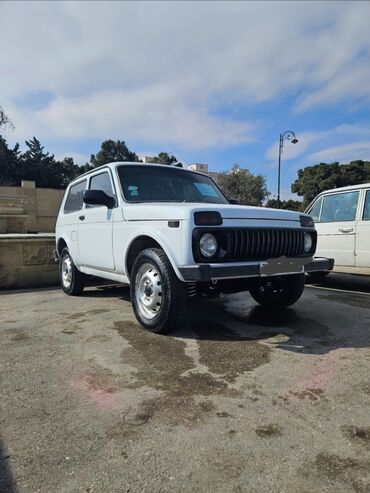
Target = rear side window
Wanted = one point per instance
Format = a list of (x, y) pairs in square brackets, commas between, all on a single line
[(74, 200), (366, 216), (339, 207)]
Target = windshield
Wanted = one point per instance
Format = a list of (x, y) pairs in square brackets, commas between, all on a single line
[(167, 184)]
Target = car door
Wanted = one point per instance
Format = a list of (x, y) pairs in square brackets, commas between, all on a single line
[(335, 217), (68, 218), (363, 234), (95, 231)]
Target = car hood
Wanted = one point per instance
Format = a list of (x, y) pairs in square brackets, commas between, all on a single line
[(182, 211)]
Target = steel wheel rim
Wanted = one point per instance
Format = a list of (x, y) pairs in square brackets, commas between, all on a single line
[(148, 290), (67, 271)]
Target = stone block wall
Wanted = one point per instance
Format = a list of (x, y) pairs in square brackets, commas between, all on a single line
[(28, 209), (27, 260)]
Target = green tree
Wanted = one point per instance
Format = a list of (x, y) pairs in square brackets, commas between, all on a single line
[(9, 163), (291, 205), (241, 184), (165, 158), (40, 166), (315, 179), (112, 151)]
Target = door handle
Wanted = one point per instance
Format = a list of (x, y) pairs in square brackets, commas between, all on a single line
[(346, 230), (81, 218)]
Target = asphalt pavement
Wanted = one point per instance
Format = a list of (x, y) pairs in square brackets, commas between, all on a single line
[(237, 399)]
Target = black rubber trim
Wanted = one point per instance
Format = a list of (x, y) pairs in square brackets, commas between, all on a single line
[(320, 264)]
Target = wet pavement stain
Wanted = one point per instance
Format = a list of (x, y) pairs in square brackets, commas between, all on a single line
[(358, 435), (227, 353), (20, 337), (269, 431), (97, 311), (310, 394), (357, 300), (223, 414), (160, 362), (206, 406), (350, 473), (74, 316)]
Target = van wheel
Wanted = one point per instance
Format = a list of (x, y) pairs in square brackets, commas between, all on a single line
[(72, 280), (280, 292), (158, 297)]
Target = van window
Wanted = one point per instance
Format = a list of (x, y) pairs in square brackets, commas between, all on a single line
[(315, 211), (339, 207), (101, 182), (74, 200), (366, 215)]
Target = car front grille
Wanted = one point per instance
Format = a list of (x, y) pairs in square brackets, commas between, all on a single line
[(257, 243)]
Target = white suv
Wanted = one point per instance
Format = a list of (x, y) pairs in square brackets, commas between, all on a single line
[(172, 235), (342, 218)]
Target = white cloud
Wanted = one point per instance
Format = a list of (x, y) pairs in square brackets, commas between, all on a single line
[(160, 72), (342, 143), (78, 158), (343, 153)]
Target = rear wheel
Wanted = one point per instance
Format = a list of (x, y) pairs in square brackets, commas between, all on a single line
[(72, 280), (280, 292), (158, 297)]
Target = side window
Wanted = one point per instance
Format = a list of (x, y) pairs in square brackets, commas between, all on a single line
[(74, 200), (101, 182), (339, 207), (366, 215), (315, 211)]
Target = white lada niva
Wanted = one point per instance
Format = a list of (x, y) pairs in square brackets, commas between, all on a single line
[(173, 236)]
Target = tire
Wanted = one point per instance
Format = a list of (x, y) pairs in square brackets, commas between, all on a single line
[(280, 292), (158, 297), (71, 279)]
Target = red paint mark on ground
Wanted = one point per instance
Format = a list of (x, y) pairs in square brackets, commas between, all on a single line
[(102, 394), (323, 372)]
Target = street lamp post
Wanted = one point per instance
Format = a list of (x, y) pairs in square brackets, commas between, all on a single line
[(287, 135)]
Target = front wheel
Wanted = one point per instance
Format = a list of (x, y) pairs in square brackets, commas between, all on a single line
[(158, 297), (280, 292), (72, 280)]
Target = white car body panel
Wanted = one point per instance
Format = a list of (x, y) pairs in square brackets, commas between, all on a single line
[(348, 242)]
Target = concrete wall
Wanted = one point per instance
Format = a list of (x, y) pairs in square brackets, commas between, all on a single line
[(28, 209), (27, 261)]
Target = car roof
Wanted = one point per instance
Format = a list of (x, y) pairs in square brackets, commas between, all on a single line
[(127, 163), (344, 189)]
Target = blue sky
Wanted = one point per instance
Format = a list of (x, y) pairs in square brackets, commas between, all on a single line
[(209, 82)]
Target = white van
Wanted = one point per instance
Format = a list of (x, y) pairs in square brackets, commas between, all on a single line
[(342, 219)]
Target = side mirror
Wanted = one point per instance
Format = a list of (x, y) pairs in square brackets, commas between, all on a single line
[(98, 197), (233, 201)]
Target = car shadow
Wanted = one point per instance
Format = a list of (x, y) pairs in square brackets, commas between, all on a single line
[(343, 282), (293, 329), (303, 328), (120, 291), (7, 483)]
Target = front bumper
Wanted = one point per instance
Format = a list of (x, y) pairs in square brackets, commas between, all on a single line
[(273, 267)]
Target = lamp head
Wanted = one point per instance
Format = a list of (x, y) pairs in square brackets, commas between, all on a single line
[(294, 141)]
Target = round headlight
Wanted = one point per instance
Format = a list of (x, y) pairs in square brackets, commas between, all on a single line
[(307, 242), (208, 245)]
